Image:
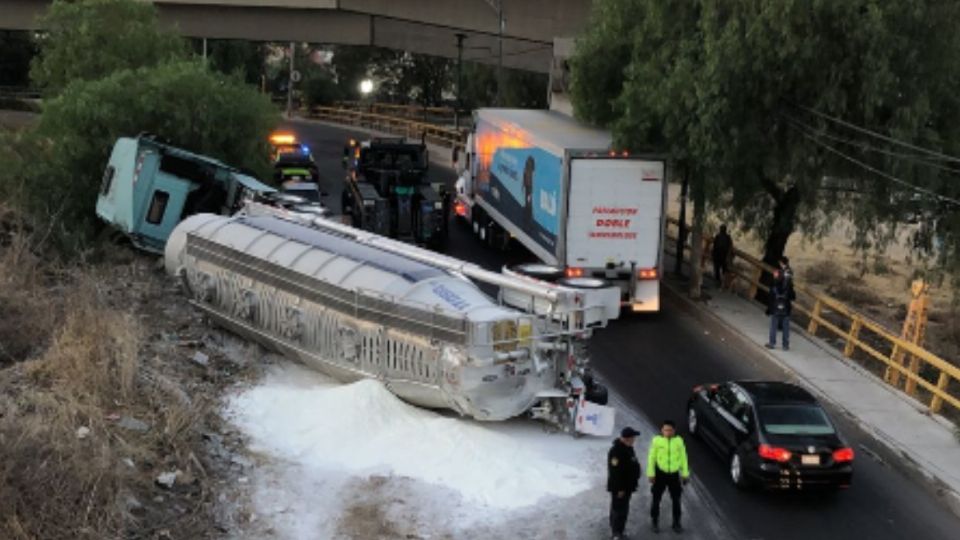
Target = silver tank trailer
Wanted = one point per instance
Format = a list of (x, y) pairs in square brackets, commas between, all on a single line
[(353, 311)]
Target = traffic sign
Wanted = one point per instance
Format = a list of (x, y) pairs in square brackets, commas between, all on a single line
[(295, 76)]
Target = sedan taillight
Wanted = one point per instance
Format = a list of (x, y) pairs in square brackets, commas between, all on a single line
[(843, 455), (774, 453)]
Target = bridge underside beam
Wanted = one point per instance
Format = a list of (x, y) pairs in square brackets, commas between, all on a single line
[(324, 26)]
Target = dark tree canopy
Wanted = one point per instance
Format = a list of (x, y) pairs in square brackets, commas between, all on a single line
[(747, 92)]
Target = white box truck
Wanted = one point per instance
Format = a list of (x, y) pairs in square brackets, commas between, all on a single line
[(590, 213)]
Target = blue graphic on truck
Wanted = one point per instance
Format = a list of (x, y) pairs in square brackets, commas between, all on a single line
[(524, 186)]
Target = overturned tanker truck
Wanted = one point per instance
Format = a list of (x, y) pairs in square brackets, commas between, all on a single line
[(356, 305)]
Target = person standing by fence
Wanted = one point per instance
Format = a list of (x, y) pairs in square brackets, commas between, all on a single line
[(780, 304), (722, 253)]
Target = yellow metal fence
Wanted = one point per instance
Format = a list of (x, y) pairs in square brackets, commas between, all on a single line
[(936, 378), (405, 127)]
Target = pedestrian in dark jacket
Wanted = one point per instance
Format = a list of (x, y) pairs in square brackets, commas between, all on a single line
[(721, 252), (780, 305), (623, 473)]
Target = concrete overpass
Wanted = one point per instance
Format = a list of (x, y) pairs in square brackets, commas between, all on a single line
[(421, 26)]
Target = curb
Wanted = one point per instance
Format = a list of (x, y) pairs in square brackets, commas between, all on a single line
[(949, 496)]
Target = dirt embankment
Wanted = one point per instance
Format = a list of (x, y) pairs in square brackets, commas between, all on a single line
[(107, 385)]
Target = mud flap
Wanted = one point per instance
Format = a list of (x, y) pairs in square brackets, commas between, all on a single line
[(594, 419)]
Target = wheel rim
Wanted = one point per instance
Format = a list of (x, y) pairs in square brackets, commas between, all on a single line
[(735, 469), (692, 421)]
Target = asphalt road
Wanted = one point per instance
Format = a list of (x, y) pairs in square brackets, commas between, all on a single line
[(654, 361)]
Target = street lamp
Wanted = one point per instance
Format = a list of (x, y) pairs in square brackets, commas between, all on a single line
[(366, 86)]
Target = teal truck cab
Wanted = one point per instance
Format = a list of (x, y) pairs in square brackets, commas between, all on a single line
[(149, 187)]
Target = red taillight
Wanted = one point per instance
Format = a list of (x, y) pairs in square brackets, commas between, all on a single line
[(697, 388), (647, 273), (574, 272), (775, 453), (613, 153), (842, 455), (625, 153), (460, 208)]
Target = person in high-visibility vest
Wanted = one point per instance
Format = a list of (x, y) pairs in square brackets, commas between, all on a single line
[(667, 469)]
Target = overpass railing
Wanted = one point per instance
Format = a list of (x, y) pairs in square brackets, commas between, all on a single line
[(926, 376), (413, 129)]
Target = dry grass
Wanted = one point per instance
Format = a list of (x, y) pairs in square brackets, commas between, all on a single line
[(26, 311), (75, 361)]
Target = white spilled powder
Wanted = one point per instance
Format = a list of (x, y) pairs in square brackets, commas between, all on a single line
[(361, 429)]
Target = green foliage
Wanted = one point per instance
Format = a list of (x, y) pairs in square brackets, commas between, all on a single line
[(319, 88), (521, 89), (16, 51), (183, 102), (235, 57), (729, 89), (90, 39), (602, 54)]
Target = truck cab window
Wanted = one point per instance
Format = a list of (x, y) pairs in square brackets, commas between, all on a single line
[(107, 181), (157, 207)]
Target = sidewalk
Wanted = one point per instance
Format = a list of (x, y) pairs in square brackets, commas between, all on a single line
[(892, 417)]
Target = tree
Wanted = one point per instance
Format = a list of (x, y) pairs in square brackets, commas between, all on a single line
[(233, 56), (427, 77), (749, 93), (521, 89), (183, 102), (319, 88), (90, 39)]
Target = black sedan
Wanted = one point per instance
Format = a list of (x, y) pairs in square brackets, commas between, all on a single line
[(772, 434)]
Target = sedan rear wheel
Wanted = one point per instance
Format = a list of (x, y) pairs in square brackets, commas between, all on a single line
[(692, 420), (736, 471)]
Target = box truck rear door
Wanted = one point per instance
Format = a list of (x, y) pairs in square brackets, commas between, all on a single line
[(615, 213)]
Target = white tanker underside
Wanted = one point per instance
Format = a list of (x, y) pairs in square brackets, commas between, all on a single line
[(354, 311)]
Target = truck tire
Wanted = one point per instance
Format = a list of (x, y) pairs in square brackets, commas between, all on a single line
[(583, 283), (540, 271)]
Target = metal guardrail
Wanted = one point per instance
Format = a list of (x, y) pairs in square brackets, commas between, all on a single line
[(413, 129), (937, 377), (431, 115)]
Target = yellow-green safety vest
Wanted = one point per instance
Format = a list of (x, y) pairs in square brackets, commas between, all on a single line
[(668, 455)]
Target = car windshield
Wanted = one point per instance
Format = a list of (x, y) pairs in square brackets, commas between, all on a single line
[(795, 420), (294, 158)]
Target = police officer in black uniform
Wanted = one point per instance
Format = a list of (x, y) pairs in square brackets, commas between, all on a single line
[(623, 473)]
